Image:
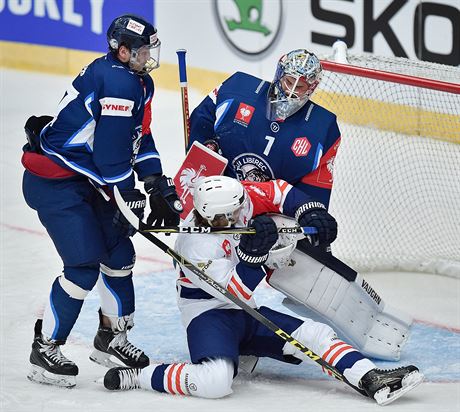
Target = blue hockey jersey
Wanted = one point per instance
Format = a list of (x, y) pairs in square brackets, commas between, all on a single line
[(102, 129), (300, 150)]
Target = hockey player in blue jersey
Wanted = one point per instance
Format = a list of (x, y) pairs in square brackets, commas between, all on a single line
[(99, 138), (272, 130)]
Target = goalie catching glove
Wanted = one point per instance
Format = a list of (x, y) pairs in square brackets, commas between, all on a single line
[(253, 249), (315, 214), (136, 201), (165, 205)]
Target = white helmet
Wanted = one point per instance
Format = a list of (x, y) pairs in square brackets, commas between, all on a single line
[(217, 197)]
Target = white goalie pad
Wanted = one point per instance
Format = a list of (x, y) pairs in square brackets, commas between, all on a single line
[(353, 309)]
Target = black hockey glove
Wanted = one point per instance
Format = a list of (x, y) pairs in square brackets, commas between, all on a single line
[(165, 206), (315, 214), (253, 249), (136, 202)]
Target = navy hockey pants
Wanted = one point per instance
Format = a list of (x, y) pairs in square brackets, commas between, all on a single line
[(79, 221)]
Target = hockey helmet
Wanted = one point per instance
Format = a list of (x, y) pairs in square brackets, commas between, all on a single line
[(140, 37), (280, 254), (219, 200), (297, 75)]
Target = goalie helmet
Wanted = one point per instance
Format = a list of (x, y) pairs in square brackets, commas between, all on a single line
[(298, 73), (140, 37), (219, 200)]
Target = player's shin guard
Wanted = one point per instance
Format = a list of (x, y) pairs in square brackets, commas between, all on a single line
[(210, 379)]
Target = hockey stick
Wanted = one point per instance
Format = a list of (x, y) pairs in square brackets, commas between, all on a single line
[(143, 227), (184, 94), (132, 219)]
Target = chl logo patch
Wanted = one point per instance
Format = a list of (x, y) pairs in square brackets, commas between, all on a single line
[(301, 146), (244, 114)]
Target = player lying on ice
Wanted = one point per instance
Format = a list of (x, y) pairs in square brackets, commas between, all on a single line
[(218, 331)]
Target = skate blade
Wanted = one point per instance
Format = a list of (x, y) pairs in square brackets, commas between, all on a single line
[(409, 382), (41, 375), (104, 359)]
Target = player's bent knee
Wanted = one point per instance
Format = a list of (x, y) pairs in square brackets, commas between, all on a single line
[(314, 335), (73, 290), (215, 378)]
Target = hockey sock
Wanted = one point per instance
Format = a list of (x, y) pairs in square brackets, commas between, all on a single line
[(117, 294), (61, 313)]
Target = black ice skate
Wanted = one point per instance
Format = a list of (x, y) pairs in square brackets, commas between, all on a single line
[(48, 364), (385, 386), (114, 343), (122, 379)]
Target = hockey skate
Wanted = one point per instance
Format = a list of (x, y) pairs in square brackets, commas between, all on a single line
[(113, 342), (385, 386), (122, 378), (48, 364)]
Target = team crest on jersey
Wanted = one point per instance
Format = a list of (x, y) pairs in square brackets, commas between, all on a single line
[(244, 114), (249, 166), (301, 147), (227, 248)]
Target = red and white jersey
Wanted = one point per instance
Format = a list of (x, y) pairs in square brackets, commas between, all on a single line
[(216, 255)]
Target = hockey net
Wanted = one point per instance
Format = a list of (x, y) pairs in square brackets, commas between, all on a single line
[(396, 193)]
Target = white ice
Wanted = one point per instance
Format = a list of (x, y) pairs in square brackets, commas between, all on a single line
[(29, 263)]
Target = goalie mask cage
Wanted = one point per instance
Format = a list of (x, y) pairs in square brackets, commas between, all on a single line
[(396, 193)]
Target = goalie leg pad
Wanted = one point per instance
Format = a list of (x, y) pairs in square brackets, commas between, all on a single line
[(355, 311)]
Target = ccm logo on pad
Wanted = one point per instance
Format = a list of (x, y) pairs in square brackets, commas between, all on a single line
[(112, 106)]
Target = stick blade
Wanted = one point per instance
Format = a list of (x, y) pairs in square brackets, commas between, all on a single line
[(125, 210)]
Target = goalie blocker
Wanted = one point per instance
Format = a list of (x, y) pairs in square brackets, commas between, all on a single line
[(328, 291)]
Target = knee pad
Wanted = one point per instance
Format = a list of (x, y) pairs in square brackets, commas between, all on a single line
[(314, 335), (84, 277), (121, 257), (211, 379)]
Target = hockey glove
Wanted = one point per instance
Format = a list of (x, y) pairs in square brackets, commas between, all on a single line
[(136, 201), (253, 249), (165, 206), (315, 214)]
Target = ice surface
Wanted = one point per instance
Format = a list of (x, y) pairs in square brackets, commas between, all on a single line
[(29, 263)]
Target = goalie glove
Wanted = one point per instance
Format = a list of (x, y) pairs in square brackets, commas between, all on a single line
[(315, 214), (165, 206)]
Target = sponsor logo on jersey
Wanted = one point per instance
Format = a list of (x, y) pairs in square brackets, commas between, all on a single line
[(244, 114), (113, 106), (301, 147), (227, 248), (249, 166), (250, 26)]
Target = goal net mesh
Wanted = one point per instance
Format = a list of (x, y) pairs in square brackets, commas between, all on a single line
[(396, 193)]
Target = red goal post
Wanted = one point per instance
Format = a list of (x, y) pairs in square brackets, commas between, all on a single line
[(396, 191)]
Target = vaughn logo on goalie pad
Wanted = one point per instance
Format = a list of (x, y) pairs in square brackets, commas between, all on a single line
[(371, 292), (199, 162)]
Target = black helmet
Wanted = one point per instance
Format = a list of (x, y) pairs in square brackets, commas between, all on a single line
[(134, 32)]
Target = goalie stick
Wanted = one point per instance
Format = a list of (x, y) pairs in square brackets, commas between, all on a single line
[(133, 220)]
